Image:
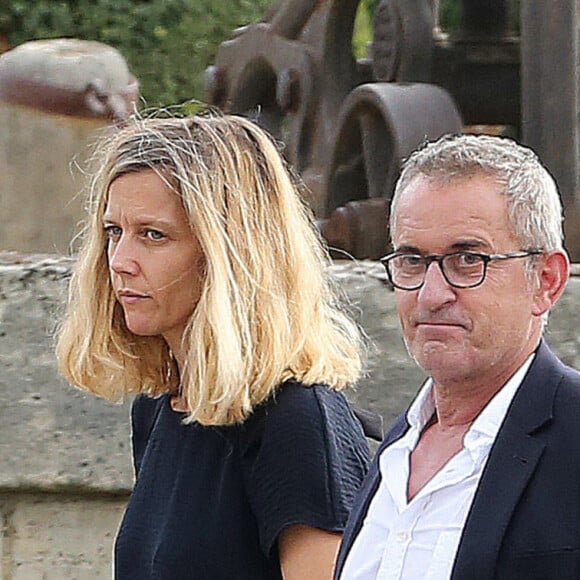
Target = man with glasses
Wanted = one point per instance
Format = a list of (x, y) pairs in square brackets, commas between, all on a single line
[(480, 477)]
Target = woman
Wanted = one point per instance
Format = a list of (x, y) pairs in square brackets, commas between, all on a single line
[(201, 286)]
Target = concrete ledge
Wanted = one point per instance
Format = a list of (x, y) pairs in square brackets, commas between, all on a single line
[(53, 437), (57, 536)]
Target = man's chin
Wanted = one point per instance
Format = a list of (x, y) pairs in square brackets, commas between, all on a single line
[(435, 356)]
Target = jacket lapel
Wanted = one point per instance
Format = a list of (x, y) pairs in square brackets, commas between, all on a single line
[(512, 462), (366, 494)]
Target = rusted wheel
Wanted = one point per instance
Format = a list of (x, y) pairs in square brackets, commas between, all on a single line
[(379, 125), (403, 40)]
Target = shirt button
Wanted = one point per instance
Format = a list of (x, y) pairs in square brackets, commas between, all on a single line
[(402, 537)]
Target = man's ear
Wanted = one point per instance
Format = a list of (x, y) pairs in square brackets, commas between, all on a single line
[(553, 271)]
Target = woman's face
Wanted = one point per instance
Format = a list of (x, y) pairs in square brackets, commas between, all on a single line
[(155, 261)]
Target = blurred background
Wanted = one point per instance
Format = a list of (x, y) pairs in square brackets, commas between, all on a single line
[(348, 87), (168, 44)]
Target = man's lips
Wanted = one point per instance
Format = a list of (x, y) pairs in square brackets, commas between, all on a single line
[(442, 324), (429, 323)]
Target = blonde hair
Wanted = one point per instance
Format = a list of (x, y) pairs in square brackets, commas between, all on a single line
[(267, 311)]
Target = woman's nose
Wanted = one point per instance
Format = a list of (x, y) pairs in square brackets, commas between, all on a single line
[(122, 257)]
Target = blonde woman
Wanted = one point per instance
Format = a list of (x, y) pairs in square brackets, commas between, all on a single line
[(201, 287)]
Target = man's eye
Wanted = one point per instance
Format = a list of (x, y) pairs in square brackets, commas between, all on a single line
[(113, 232), (411, 261), (468, 259), (155, 235)]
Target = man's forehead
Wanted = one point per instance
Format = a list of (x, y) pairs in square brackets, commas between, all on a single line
[(442, 211), (442, 180), (431, 191)]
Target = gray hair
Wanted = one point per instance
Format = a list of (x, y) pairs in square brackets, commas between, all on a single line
[(535, 209)]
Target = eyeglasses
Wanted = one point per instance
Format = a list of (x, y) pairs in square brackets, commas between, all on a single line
[(407, 271)]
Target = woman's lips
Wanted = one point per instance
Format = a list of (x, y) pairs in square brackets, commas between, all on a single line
[(131, 297)]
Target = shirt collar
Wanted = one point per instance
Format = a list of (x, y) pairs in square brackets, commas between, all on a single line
[(423, 407), (487, 422)]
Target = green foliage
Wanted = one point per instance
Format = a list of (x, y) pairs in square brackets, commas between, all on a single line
[(167, 43), (449, 12), (449, 18), (450, 15), (363, 28), (372, 5)]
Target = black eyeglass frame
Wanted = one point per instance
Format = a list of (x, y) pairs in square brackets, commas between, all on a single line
[(429, 258)]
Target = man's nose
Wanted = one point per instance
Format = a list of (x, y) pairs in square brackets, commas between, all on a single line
[(436, 291), (123, 257)]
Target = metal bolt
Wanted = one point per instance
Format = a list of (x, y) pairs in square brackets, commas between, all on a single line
[(215, 85)]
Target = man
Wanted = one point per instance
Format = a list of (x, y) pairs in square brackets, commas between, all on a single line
[(480, 478)]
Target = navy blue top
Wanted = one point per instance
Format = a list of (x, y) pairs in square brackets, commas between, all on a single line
[(210, 502)]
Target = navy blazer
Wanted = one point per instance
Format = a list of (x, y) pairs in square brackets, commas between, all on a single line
[(524, 523)]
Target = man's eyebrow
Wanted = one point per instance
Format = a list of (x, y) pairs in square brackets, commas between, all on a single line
[(467, 244), (407, 249), (472, 244)]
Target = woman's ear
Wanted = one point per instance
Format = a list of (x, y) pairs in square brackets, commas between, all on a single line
[(553, 271)]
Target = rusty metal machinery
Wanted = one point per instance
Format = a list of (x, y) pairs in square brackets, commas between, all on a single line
[(347, 123)]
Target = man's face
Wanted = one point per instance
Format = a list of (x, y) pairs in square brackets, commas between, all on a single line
[(480, 334)]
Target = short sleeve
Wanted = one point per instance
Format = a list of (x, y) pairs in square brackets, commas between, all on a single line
[(304, 456)]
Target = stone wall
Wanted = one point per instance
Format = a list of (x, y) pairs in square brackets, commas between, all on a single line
[(65, 470), (42, 156), (56, 97)]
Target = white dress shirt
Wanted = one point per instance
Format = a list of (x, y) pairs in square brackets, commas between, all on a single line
[(416, 540)]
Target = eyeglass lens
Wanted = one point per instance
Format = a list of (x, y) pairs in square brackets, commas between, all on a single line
[(462, 269)]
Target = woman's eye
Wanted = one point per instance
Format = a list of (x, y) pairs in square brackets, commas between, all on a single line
[(155, 235), (113, 232)]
